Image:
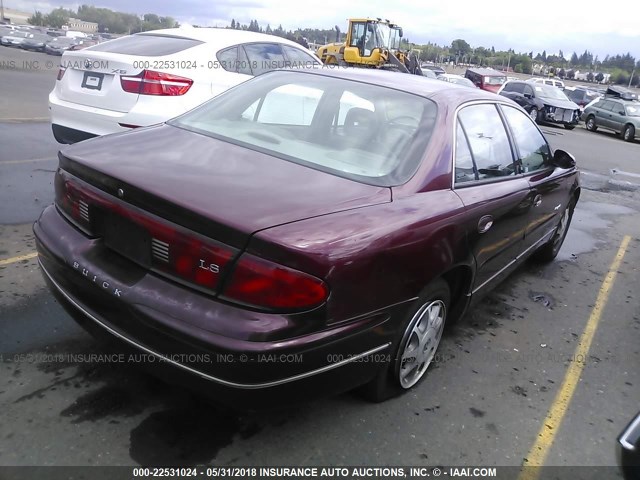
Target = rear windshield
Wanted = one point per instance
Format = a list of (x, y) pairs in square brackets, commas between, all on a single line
[(367, 133), (145, 45), (494, 80)]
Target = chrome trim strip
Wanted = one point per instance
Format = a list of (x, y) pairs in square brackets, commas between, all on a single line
[(246, 386), (522, 254), (624, 438)]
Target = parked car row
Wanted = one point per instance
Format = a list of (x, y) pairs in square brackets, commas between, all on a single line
[(49, 41)]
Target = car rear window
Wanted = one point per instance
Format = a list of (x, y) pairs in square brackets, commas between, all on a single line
[(145, 45), (367, 133)]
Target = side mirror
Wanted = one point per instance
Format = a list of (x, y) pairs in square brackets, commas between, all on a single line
[(563, 159), (621, 112), (528, 95)]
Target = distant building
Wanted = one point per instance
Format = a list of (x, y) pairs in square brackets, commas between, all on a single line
[(15, 16), (81, 26)]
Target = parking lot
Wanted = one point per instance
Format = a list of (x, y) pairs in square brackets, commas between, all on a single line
[(499, 373)]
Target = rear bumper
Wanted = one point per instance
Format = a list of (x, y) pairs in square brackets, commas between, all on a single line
[(69, 135), (231, 353), (94, 121)]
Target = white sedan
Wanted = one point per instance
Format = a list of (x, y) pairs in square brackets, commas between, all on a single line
[(150, 77)]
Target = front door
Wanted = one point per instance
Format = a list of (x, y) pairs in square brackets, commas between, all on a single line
[(496, 197)]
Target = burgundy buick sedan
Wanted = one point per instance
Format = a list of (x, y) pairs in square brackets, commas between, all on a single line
[(304, 233)]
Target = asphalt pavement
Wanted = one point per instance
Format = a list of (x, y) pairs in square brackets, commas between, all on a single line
[(500, 370)]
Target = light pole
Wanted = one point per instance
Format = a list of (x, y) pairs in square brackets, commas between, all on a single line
[(630, 78), (1, 10)]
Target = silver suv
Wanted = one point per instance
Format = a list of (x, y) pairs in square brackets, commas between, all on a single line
[(621, 116)]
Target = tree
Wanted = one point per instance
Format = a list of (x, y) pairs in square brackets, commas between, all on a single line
[(590, 77), (460, 47), (599, 77), (233, 23), (571, 74), (58, 17), (562, 73), (574, 60), (36, 19)]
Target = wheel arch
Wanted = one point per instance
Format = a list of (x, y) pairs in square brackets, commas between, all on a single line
[(459, 278)]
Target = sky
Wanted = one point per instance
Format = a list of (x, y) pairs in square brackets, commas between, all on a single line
[(538, 25)]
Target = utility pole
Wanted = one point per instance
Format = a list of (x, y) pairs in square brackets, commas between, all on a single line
[(1, 10), (630, 78)]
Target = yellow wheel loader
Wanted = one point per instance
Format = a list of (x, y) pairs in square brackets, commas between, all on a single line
[(373, 43)]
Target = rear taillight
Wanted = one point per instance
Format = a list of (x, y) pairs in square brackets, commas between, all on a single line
[(149, 82), (61, 72), (259, 283), (74, 202), (186, 256), (169, 249)]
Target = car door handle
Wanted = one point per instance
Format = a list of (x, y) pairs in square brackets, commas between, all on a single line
[(485, 223), (537, 201)]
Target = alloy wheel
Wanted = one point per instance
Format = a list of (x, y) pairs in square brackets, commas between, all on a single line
[(420, 348)]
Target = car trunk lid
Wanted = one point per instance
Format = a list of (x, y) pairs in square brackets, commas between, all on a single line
[(223, 191)]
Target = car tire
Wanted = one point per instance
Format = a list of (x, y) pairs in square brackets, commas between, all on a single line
[(629, 133), (533, 113), (549, 251), (416, 343), (569, 127), (590, 124)]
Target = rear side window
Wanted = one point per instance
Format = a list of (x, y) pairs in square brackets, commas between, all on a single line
[(465, 170), (264, 57), (298, 57), (514, 87), (228, 59), (605, 105), (146, 45)]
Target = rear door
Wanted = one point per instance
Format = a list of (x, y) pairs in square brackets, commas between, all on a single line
[(92, 76), (617, 117), (496, 197), (603, 113)]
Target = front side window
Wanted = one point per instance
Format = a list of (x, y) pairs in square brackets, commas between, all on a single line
[(534, 151), (488, 141), (367, 133)]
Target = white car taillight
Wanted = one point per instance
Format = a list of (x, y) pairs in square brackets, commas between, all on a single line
[(149, 82)]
